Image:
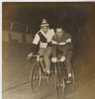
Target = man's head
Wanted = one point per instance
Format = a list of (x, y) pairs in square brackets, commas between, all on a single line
[(59, 32), (44, 25)]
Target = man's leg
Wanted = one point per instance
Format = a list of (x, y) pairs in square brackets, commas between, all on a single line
[(47, 59), (41, 52), (69, 66)]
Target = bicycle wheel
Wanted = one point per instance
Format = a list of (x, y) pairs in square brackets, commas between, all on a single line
[(60, 89), (60, 83), (35, 76)]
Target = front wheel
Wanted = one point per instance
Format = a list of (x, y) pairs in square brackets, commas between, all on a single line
[(60, 89), (60, 82), (35, 76)]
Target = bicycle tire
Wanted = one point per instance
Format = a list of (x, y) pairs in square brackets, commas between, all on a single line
[(35, 76), (60, 83)]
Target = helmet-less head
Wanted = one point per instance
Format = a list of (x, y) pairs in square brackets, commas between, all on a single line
[(44, 25)]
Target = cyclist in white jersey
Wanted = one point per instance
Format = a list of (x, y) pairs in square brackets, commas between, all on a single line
[(43, 39)]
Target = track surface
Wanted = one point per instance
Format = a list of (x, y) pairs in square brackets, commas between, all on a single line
[(16, 73)]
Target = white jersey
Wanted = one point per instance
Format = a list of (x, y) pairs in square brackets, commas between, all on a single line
[(43, 38)]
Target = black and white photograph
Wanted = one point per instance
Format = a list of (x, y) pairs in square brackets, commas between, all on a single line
[(48, 50)]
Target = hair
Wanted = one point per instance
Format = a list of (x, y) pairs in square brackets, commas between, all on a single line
[(59, 26)]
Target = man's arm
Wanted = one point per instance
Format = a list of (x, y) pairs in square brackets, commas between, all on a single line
[(69, 46), (34, 47), (35, 43)]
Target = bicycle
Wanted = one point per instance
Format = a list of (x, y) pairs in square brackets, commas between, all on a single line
[(57, 72)]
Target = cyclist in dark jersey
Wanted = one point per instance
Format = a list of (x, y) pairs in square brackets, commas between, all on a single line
[(63, 50)]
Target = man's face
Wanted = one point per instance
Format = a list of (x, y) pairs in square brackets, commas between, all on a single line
[(45, 28), (59, 32)]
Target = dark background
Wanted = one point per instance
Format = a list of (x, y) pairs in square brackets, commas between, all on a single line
[(66, 14), (75, 18)]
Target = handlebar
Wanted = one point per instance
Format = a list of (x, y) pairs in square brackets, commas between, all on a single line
[(57, 44), (37, 56)]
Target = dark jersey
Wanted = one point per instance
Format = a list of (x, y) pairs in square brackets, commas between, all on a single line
[(63, 44)]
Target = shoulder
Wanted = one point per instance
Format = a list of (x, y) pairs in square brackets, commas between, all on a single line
[(39, 33)]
